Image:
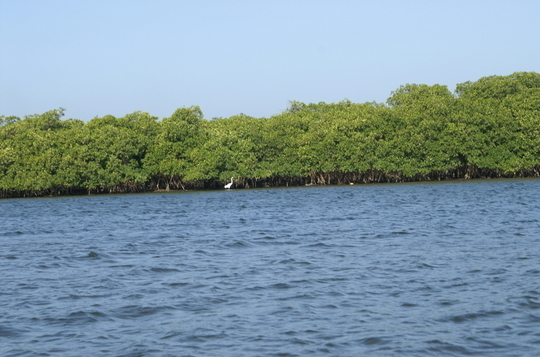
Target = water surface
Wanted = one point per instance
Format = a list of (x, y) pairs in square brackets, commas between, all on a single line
[(445, 269)]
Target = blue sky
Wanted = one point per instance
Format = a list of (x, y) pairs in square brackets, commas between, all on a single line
[(115, 57)]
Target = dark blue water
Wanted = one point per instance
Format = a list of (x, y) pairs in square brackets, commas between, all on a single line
[(445, 269)]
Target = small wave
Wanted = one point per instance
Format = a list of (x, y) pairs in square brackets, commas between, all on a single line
[(532, 319), (164, 270), (271, 241), (11, 234), (319, 245), (27, 286), (331, 280), (497, 271), (281, 286), (134, 311), (79, 318), (455, 285), (293, 261), (374, 341), (10, 332), (237, 244), (299, 341), (424, 265), (302, 281), (408, 304), (177, 284), (297, 297), (122, 266), (268, 238), (473, 316), (201, 336), (142, 351), (285, 310), (528, 302), (444, 347)]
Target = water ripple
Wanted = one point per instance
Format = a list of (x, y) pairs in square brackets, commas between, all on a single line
[(444, 269)]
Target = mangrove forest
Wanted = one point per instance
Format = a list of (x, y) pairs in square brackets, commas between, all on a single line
[(488, 128)]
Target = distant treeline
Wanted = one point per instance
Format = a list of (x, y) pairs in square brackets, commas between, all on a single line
[(487, 128)]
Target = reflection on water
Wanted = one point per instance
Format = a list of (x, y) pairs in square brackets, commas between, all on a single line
[(444, 269)]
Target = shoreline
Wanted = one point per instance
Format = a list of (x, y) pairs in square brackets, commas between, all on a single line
[(463, 173)]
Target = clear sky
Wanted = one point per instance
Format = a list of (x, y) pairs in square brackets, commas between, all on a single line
[(115, 57)]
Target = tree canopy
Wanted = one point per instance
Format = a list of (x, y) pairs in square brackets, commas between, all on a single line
[(486, 128)]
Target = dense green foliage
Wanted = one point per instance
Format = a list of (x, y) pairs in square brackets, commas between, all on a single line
[(488, 128)]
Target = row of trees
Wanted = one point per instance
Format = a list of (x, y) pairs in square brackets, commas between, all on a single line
[(486, 128)]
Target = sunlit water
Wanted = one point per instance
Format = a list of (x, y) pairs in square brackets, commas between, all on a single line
[(444, 269)]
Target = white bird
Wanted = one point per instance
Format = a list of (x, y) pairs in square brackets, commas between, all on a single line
[(229, 184)]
